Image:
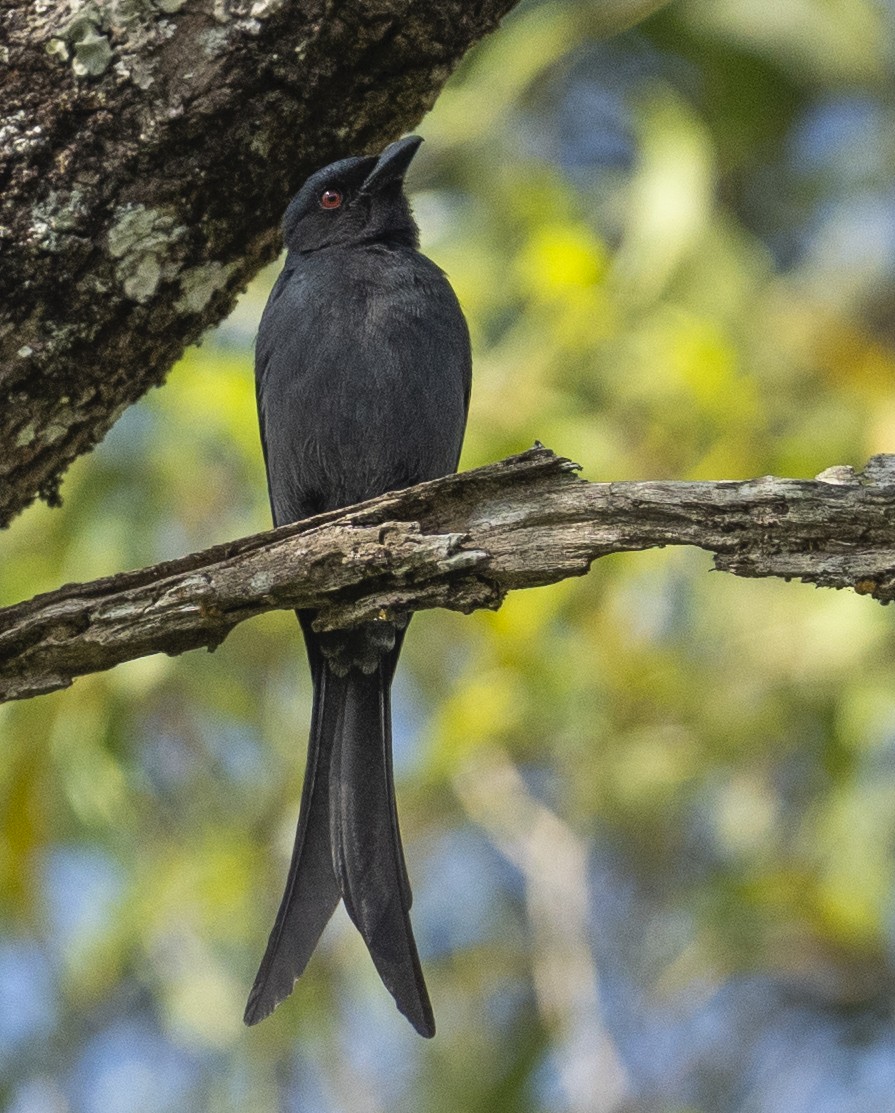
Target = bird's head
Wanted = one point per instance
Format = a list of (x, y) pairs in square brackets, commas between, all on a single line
[(355, 200)]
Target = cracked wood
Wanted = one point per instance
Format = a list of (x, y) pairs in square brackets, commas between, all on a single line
[(461, 542)]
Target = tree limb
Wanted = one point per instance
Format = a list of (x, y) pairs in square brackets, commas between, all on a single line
[(461, 542), (147, 151)]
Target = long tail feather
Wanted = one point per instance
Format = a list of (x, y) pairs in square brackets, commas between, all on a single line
[(312, 890), (348, 845), (366, 841)]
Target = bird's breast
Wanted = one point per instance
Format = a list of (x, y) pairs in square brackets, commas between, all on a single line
[(363, 360)]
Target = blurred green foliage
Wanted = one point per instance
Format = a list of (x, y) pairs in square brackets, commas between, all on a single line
[(649, 814)]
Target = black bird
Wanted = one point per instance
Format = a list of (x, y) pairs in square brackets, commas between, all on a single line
[(363, 374)]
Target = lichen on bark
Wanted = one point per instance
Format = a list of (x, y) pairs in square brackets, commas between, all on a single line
[(147, 151)]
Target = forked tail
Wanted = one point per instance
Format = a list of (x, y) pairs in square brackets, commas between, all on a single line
[(347, 845)]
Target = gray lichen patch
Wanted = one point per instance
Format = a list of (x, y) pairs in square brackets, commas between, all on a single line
[(54, 432), (143, 279), (93, 53), (261, 9), (83, 40), (130, 14), (58, 48), (21, 135), (63, 419), (86, 37), (58, 214), (141, 241), (215, 41), (26, 435), (200, 284), (141, 71), (261, 582), (84, 21)]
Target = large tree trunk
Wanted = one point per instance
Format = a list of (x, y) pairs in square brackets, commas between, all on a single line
[(147, 150)]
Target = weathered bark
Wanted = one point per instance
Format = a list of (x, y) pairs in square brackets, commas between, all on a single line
[(147, 150), (462, 542)]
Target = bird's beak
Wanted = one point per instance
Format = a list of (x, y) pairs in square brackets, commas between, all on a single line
[(392, 164)]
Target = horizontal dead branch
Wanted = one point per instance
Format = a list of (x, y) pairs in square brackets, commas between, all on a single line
[(461, 542)]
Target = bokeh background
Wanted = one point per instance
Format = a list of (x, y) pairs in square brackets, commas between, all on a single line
[(649, 814)]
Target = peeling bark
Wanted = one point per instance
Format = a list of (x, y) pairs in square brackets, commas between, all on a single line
[(147, 151), (461, 542)]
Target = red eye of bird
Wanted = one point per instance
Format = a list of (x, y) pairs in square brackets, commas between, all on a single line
[(330, 199)]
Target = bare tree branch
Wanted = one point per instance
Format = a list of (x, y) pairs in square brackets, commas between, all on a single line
[(461, 542)]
